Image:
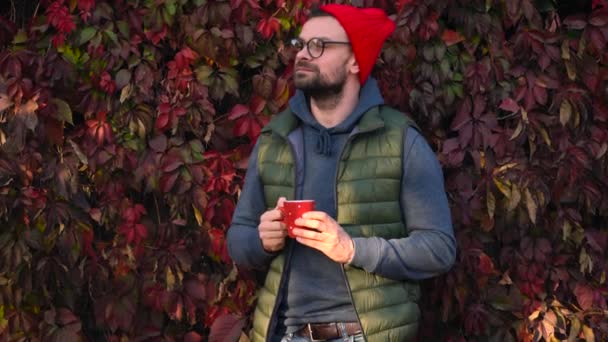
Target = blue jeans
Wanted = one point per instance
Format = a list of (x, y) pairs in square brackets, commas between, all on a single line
[(292, 337)]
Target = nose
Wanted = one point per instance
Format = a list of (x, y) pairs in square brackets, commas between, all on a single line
[(303, 54)]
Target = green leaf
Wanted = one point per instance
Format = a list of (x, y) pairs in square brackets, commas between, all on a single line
[(203, 74), (64, 112), (171, 7), (110, 34), (123, 28), (20, 37), (86, 34)]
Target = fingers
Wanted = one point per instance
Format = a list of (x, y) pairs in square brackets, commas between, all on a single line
[(317, 220), (308, 234), (316, 215), (280, 202), (272, 234), (271, 215)]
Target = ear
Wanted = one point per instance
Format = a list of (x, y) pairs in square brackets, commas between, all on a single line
[(353, 66)]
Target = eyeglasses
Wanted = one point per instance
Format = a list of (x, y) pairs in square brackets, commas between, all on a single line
[(315, 46)]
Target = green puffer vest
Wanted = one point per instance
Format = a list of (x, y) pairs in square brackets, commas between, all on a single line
[(368, 189)]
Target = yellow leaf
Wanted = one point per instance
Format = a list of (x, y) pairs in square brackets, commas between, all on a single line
[(518, 130), (565, 111), (534, 315), (585, 262), (532, 144), (566, 49), (244, 338), (504, 167), (506, 279), (575, 329), (531, 205), (504, 187), (540, 198), (570, 70), (198, 216), (515, 198), (125, 93), (577, 117), (545, 135), (524, 115), (588, 332), (491, 203), (169, 279)]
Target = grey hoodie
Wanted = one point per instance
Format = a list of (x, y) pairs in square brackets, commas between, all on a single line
[(315, 289)]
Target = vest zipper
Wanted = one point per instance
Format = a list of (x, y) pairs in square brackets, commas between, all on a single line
[(350, 293), (273, 319)]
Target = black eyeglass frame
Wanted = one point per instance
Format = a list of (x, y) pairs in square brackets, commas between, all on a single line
[(299, 43)]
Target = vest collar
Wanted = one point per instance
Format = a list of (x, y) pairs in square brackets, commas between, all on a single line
[(286, 122)]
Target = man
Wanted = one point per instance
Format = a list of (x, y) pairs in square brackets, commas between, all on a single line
[(382, 220)]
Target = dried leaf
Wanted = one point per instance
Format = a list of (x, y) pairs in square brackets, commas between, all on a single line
[(518, 130), (575, 329), (531, 205), (491, 203), (226, 327), (514, 199), (565, 111), (64, 112), (589, 334), (5, 102)]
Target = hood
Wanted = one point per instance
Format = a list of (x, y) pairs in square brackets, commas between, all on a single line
[(369, 97)]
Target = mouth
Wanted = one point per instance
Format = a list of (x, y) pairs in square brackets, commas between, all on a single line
[(302, 67)]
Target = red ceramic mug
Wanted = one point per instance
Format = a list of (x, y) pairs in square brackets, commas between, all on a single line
[(293, 210)]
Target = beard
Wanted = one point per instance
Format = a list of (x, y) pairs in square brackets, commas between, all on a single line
[(320, 87)]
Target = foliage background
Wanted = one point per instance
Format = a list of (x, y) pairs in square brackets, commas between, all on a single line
[(125, 128)]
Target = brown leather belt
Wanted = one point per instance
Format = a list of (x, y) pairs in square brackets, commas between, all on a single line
[(328, 331)]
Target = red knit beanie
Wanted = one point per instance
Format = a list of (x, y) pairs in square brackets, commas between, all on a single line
[(367, 29)]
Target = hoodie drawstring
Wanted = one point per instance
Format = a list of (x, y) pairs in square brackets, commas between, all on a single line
[(323, 142)]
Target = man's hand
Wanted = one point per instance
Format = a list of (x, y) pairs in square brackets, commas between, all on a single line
[(271, 230), (328, 236)]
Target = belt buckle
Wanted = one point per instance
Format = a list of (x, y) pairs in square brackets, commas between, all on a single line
[(310, 334)]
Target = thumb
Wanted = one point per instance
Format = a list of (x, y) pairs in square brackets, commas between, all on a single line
[(280, 202)]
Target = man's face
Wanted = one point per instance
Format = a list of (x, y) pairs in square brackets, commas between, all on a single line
[(324, 75)]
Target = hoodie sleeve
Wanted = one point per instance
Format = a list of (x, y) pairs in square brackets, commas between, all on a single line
[(244, 244), (430, 248)]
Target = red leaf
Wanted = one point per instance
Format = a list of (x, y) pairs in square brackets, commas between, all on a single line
[(195, 289), (227, 327), (65, 317), (485, 266), (463, 116), (576, 22), (584, 296), (167, 181), (162, 121), (599, 18), (158, 143), (193, 337), (450, 37), (237, 111), (267, 27), (257, 104)]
